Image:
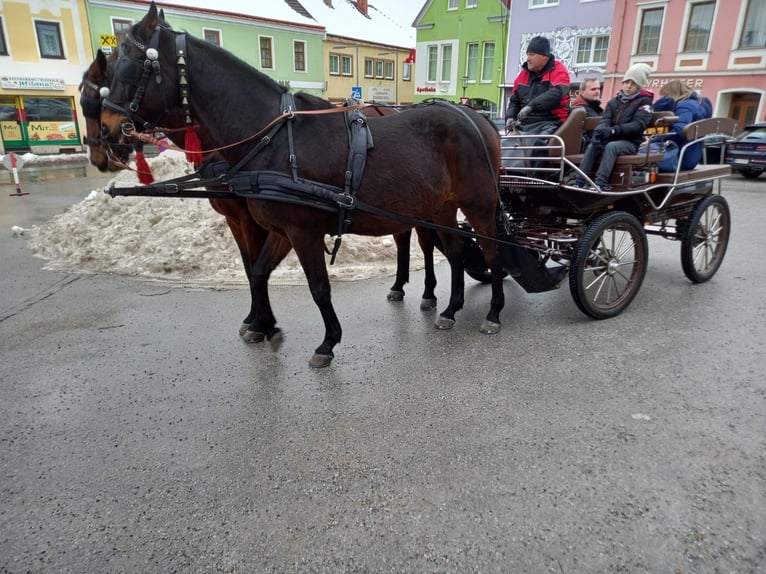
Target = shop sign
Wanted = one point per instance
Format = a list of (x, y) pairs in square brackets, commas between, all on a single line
[(51, 131), (691, 83), (11, 131), (31, 83)]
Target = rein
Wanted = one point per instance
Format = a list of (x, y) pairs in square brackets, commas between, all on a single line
[(129, 128)]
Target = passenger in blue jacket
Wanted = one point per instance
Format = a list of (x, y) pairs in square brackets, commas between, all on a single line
[(621, 128), (689, 107)]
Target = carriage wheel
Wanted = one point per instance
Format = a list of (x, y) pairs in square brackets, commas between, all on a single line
[(705, 238), (608, 265)]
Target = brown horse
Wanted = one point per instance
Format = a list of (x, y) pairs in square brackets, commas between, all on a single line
[(423, 164), (247, 234)]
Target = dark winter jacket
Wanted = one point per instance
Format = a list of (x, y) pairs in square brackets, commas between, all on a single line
[(546, 92), (628, 117), (592, 107), (689, 110)]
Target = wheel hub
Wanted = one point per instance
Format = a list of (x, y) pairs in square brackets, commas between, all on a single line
[(611, 267)]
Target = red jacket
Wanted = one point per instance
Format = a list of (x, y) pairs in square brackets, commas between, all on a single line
[(546, 92)]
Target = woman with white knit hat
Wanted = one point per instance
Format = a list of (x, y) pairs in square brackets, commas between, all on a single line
[(622, 126)]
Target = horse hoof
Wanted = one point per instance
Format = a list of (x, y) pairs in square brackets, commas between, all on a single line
[(252, 336), (427, 304), (242, 328), (276, 340), (489, 327), (320, 361), (444, 323), (395, 296)]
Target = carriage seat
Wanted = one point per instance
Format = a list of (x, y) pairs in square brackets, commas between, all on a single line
[(718, 129), (570, 132), (658, 124)]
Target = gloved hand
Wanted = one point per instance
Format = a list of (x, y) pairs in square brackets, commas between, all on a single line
[(523, 113), (509, 125), (603, 132)]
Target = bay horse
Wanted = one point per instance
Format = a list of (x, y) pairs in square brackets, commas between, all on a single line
[(420, 165), (247, 234)]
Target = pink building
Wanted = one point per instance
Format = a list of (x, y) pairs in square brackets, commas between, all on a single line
[(717, 46)]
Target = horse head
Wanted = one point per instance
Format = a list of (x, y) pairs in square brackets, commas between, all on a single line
[(139, 87), (93, 89)]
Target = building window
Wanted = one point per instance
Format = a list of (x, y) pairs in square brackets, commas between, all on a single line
[(754, 28), (299, 56), (488, 62), (212, 36), (369, 66), (699, 26), (267, 52), (433, 63), (471, 3), (346, 63), (592, 49), (472, 61), (49, 40), (121, 28), (406, 71), (451, 4), (379, 69), (3, 45), (446, 59), (389, 70), (649, 34), (542, 3), (334, 65)]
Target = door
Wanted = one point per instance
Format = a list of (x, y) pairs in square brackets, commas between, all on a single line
[(744, 108)]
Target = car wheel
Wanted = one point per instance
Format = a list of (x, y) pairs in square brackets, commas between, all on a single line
[(751, 174)]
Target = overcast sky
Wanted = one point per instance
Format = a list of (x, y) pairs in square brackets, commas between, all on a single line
[(390, 22)]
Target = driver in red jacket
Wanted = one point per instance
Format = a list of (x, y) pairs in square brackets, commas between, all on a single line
[(539, 102)]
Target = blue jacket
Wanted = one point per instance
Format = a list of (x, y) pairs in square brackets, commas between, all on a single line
[(688, 111)]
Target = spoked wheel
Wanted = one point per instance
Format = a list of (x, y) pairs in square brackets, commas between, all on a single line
[(705, 238), (608, 265)]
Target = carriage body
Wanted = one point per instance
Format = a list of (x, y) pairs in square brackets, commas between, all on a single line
[(568, 226)]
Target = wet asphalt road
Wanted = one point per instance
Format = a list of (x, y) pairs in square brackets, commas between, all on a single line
[(138, 433)]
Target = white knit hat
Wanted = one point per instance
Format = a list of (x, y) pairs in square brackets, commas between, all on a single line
[(639, 73)]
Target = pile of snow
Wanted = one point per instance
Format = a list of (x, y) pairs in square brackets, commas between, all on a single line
[(180, 239)]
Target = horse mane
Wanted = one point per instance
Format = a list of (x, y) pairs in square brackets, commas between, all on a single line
[(243, 69)]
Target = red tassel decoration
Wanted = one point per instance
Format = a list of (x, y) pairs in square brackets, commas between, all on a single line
[(142, 168), (193, 147)]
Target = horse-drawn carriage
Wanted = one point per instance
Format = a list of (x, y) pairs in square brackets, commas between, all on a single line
[(600, 236), (310, 170)]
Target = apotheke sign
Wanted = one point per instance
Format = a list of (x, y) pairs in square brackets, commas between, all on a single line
[(31, 83)]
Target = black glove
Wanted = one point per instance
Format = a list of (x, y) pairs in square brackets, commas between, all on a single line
[(523, 113), (603, 132)]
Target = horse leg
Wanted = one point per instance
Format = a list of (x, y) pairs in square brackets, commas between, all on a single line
[(402, 240), (426, 239), (310, 252), (491, 323), (274, 249), (453, 249)]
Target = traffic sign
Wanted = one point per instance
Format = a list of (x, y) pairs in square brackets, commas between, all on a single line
[(356, 92)]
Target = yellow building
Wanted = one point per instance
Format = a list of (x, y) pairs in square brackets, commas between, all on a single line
[(44, 50)]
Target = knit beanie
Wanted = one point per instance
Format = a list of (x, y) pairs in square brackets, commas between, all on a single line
[(539, 45), (639, 73)]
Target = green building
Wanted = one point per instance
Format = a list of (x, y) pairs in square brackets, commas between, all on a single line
[(461, 51), (291, 53)]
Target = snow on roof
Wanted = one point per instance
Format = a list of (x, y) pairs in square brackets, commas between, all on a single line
[(387, 22)]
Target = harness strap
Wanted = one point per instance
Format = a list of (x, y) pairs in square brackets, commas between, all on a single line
[(359, 141)]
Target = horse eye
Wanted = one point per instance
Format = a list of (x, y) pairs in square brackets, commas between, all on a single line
[(104, 92)]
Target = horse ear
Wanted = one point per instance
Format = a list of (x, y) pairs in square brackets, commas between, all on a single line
[(101, 61), (149, 22)]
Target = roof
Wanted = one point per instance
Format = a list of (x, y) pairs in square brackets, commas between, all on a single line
[(386, 21)]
